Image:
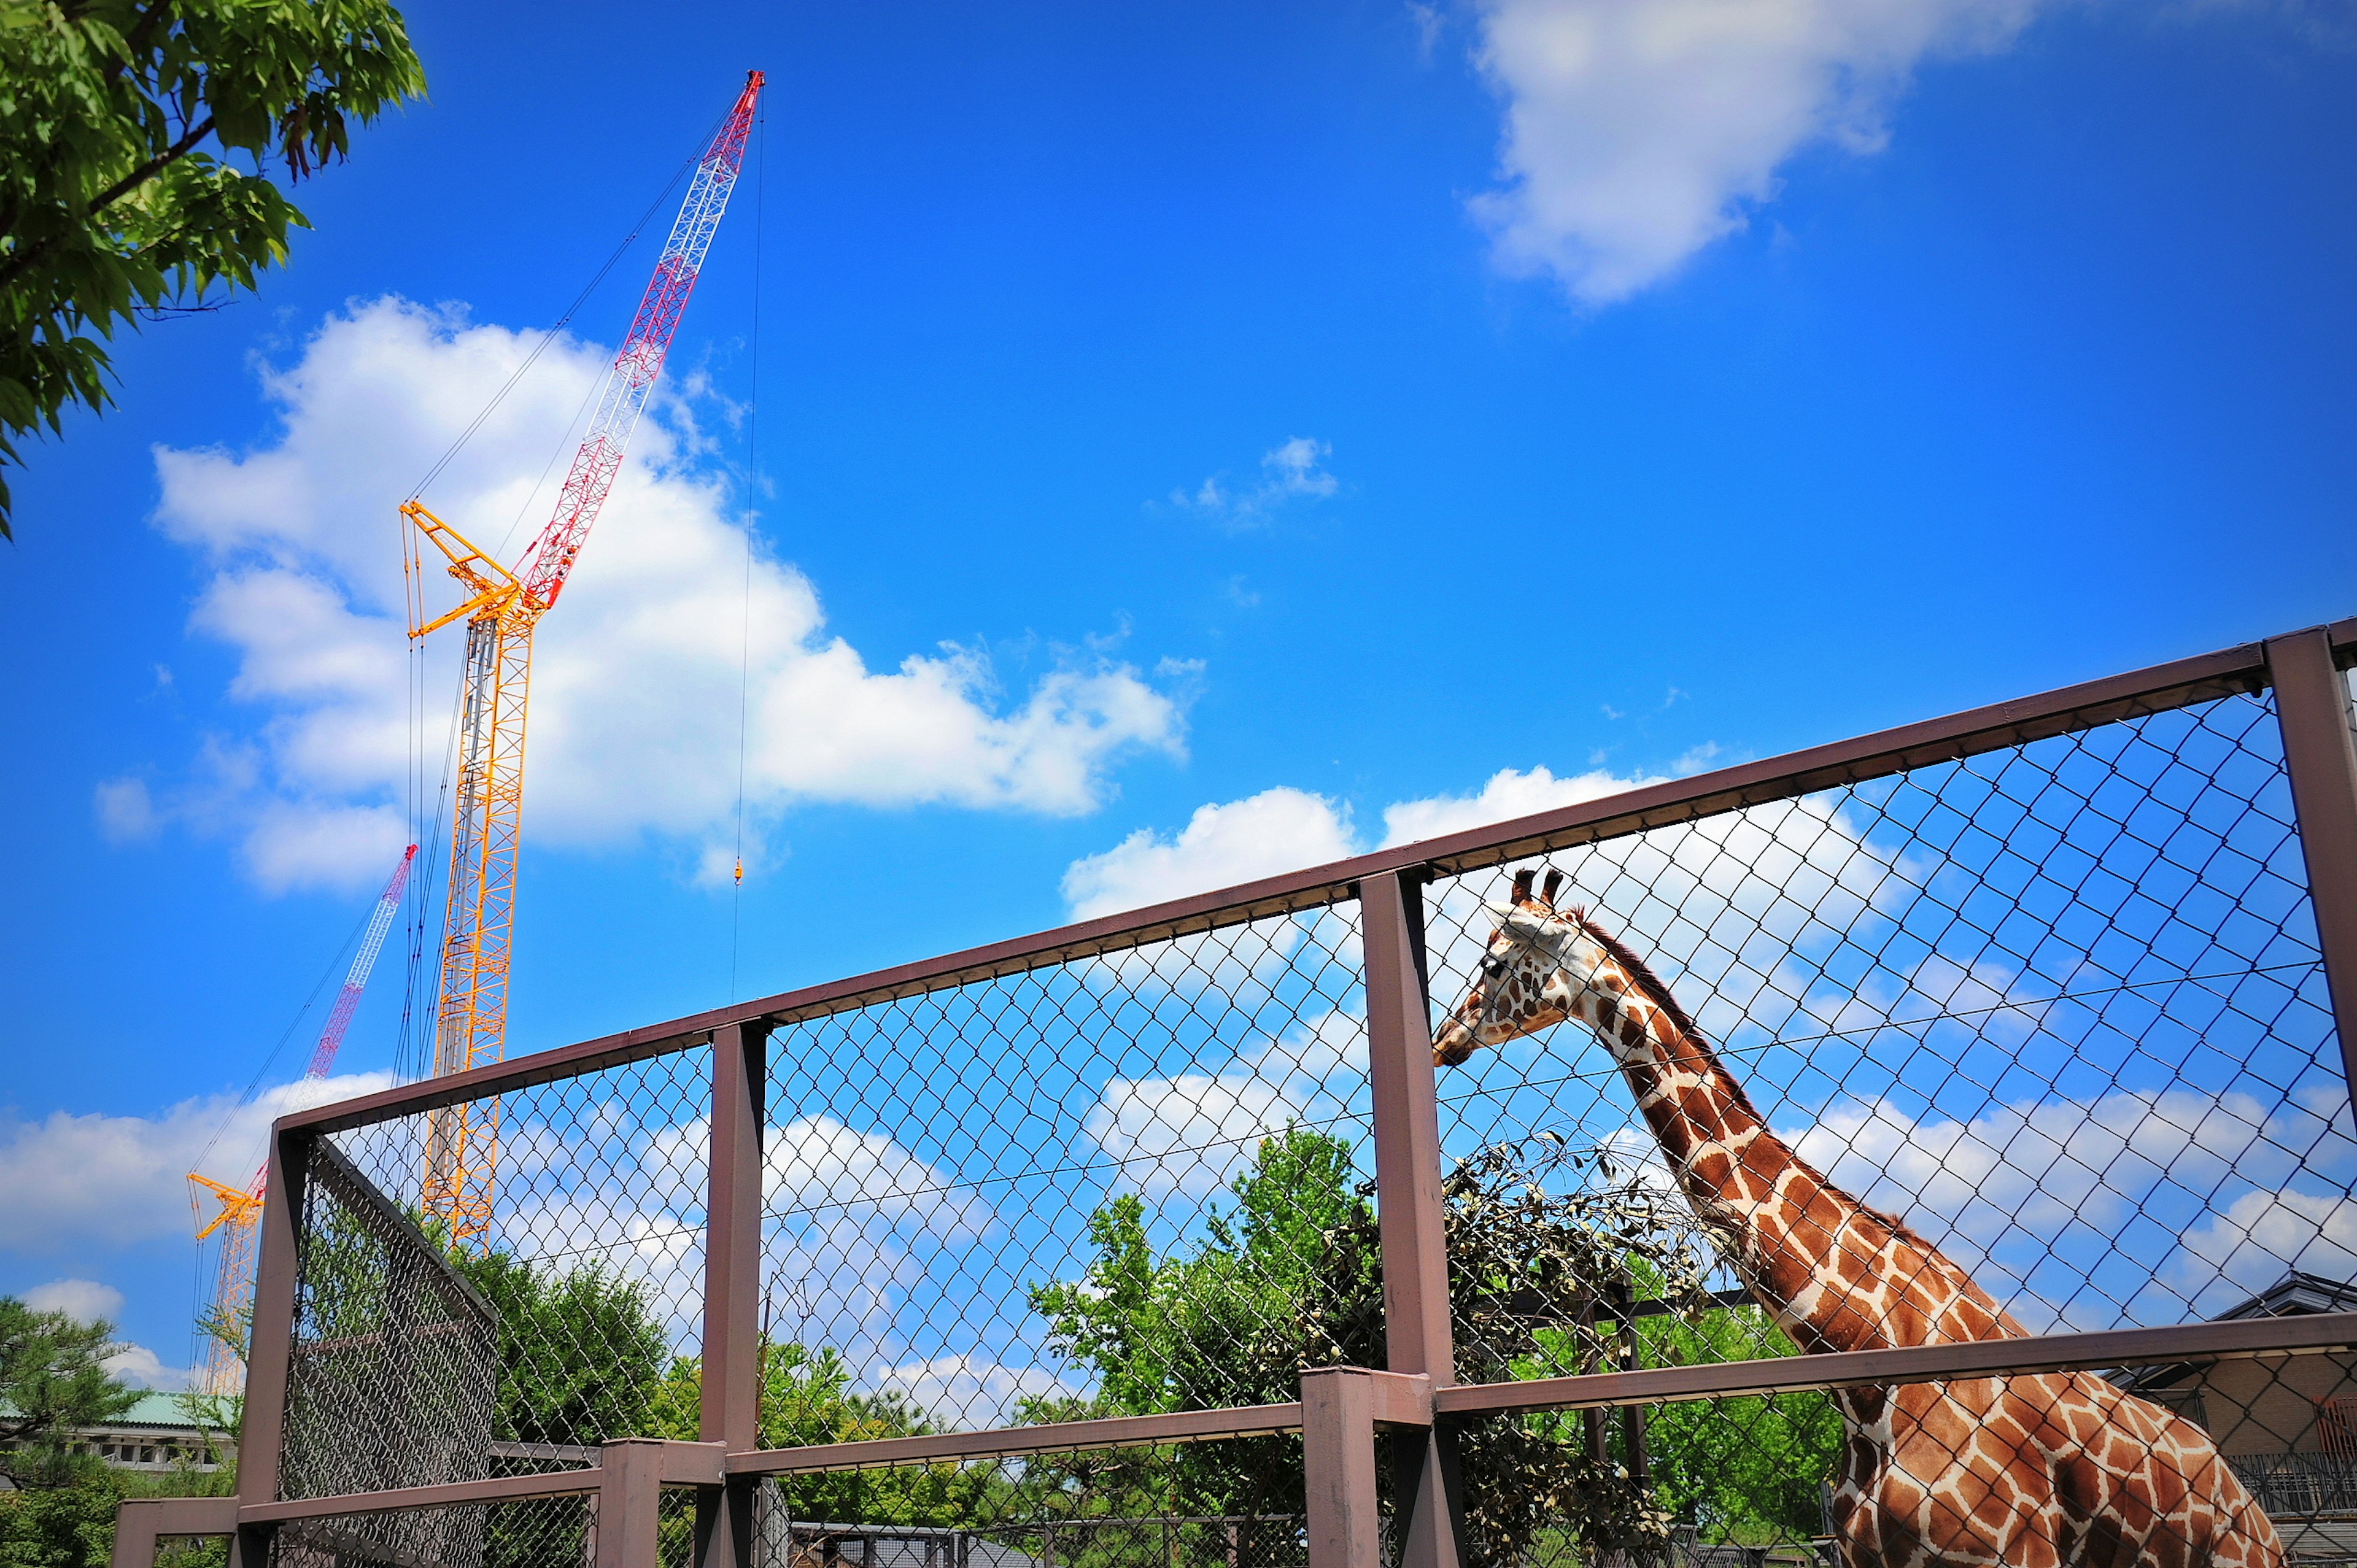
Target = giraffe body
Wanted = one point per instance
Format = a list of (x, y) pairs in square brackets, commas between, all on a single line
[(2026, 1471)]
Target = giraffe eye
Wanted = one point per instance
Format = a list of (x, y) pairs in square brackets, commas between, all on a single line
[(1493, 966)]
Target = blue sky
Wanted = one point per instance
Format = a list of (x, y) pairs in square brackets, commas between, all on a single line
[(1355, 400)]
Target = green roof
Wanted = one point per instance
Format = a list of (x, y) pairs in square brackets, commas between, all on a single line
[(155, 1409)]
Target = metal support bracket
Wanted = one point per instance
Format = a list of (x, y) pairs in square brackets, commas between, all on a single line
[(141, 1522), (2312, 706)]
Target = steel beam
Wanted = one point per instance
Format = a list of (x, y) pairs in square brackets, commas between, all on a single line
[(1417, 1337), (1338, 1454), (442, 1494), (2312, 703), (1913, 1364), (732, 1237), (732, 1288), (270, 1341), (2059, 712), (1112, 1432), (141, 1522), (630, 1503), (1407, 1132)]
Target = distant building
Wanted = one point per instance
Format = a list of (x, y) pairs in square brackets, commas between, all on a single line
[(154, 1434), (2287, 1423)]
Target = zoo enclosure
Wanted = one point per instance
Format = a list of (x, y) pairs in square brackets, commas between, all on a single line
[(2134, 897)]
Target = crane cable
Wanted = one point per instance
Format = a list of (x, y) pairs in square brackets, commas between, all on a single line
[(564, 320), (413, 1046), (752, 494)]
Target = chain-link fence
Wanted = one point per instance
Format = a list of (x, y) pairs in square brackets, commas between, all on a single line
[(1233, 1503), (1094, 1187), (535, 1533), (1952, 1121), (581, 1301), (2060, 1006)]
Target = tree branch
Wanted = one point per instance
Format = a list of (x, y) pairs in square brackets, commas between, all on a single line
[(22, 262), (153, 166), (142, 34)]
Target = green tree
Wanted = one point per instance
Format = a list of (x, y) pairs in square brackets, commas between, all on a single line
[(806, 1397), (1291, 1277), (1750, 1469), (119, 197), (1283, 1279), (52, 1380), (582, 1353), (58, 1527)]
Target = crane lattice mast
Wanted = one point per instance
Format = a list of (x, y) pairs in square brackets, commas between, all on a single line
[(240, 1210), (501, 611)]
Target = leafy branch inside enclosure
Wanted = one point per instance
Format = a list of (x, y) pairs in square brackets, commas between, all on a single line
[(1548, 1248)]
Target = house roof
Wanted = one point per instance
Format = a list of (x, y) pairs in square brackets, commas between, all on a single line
[(154, 1409), (2294, 1295)]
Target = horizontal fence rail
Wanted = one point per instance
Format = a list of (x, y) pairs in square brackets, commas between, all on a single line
[(1396, 1210)]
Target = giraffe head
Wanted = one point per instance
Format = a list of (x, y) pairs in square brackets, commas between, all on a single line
[(1538, 962)]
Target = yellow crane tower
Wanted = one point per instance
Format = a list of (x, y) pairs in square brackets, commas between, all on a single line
[(502, 610)]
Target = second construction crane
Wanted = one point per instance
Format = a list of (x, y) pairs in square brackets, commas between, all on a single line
[(224, 1324), (501, 611)]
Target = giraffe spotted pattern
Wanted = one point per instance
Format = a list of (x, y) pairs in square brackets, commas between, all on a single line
[(2026, 1471)]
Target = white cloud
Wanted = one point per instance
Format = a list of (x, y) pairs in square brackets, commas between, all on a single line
[(971, 1392), (2036, 1196), (1637, 132), (2264, 1235), (1265, 834), (126, 814), (2038, 1166), (1191, 1133), (635, 680), (79, 1180), (143, 1369), (1509, 793), (815, 1164), (1284, 829), (84, 1301), (1289, 471)]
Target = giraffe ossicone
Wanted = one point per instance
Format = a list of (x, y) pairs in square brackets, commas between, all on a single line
[(2035, 1470)]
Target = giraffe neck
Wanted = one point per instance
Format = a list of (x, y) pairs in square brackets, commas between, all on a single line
[(1835, 1274)]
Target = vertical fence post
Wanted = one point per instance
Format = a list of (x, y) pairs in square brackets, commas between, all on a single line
[(732, 1288), (135, 1536), (1417, 1337), (270, 1339), (629, 1502), (2312, 704), (1338, 1459)]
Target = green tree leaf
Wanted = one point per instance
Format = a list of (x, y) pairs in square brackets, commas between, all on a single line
[(114, 201)]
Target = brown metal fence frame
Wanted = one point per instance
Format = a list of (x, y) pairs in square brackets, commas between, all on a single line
[(1339, 1409)]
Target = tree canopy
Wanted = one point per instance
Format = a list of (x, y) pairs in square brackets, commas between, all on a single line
[(1290, 1277), (122, 123), (53, 1379)]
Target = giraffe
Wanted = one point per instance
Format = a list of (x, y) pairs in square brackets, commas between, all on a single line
[(2028, 1471)]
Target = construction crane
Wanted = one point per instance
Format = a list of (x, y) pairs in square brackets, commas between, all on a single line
[(502, 610), (239, 1210)]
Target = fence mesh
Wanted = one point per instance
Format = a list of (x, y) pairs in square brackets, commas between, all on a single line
[(535, 1533), (2060, 1006), (1232, 1503), (1094, 1188), (2239, 1459), (591, 1271), (395, 1365), (2040, 1035)]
